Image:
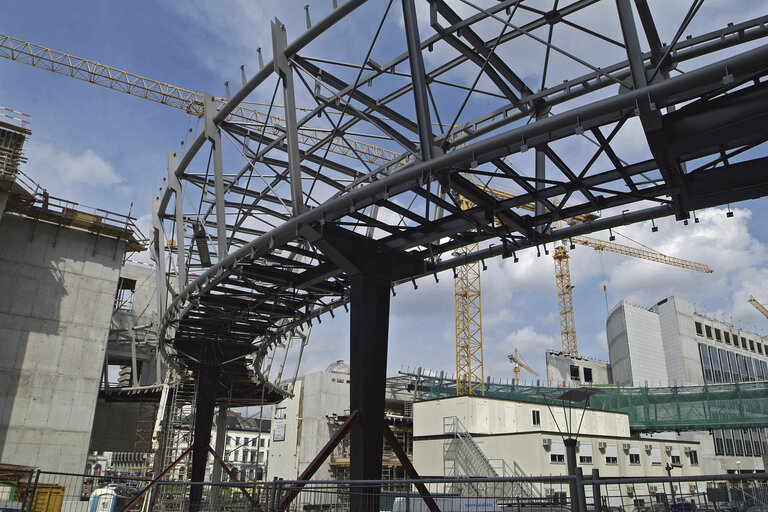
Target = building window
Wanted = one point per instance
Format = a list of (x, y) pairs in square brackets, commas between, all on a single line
[(585, 452), (759, 348), (699, 329), (575, 372), (611, 454), (634, 459), (709, 331), (729, 442), (656, 455), (536, 417), (675, 459), (719, 445), (752, 345), (557, 452), (744, 343), (587, 374), (718, 335), (229, 439), (727, 337)]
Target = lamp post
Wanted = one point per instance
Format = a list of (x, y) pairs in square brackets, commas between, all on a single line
[(573, 396)]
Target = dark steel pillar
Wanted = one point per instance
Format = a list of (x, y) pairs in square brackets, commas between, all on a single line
[(570, 459), (207, 382), (368, 331)]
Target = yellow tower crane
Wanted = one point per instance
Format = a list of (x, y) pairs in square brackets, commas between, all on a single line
[(517, 360), (565, 289), (470, 374), (184, 99), (758, 306)]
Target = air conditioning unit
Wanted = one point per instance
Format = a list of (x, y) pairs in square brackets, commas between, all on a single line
[(652, 489), (547, 442), (601, 445), (687, 450), (668, 448), (625, 446), (630, 491), (648, 447)]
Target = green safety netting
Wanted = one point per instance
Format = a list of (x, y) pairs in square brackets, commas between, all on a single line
[(681, 408)]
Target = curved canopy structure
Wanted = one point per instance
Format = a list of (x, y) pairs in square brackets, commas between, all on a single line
[(383, 116)]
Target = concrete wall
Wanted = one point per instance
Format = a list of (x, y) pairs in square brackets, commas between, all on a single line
[(305, 425), (488, 416), (58, 289), (559, 370), (114, 426), (635, 347)]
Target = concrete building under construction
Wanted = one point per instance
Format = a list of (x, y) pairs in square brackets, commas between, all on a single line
[(60, 268)]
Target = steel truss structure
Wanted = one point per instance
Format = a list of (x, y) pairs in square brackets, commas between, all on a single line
[(575, 109)]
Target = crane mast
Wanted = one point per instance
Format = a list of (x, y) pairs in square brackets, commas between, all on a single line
[(470, 375), (565, 301)]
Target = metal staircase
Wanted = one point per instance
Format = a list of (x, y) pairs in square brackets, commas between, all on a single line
[(462, 457)]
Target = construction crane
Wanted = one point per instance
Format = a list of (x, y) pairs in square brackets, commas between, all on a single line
[(189, 101), (758, 306), (517, 360), (470, 374), (565, 289)]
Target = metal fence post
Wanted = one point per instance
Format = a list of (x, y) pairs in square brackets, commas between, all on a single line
[(278, 494), (271, 495), (597, 500), (581, 496), (31, 495)]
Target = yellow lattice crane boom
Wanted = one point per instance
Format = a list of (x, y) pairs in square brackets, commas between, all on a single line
[(646, 254), (758, 306), (565, 289), (189, 101), (518, 361)]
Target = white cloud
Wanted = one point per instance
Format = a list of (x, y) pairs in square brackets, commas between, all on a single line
[(85, 178)]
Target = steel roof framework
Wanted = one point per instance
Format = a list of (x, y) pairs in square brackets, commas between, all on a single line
[(267, 231)]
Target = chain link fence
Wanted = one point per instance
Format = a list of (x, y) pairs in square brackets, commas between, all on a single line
[(31, 490)]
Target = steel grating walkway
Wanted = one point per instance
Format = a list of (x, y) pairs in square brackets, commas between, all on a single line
[(682, 408)]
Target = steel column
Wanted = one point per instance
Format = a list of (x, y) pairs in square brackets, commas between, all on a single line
[(369, 329), (541, 174), (283, 69), (418, 76), (175, 185), (207, 383), (3, 202), (213, 134), (157, 253), (221, 437)]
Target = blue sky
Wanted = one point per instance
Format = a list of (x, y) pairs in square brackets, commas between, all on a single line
[(106, 149)]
